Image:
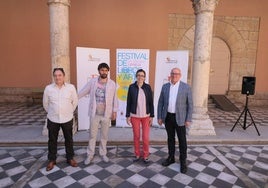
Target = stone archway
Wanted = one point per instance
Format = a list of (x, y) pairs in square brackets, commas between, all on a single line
[(230, 35), (219, 67), (239, 33)]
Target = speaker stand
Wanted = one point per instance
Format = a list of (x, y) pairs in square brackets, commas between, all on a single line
[(245, 112)]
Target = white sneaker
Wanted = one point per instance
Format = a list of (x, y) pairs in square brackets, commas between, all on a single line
[(88, 160), (105, 158)]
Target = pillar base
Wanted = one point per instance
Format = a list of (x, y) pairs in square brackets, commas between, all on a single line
[(201, 126), (45, 130)]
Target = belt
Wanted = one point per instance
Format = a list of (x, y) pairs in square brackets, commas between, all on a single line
[(172, 114)]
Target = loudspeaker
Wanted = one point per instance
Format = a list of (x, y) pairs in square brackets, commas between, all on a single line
[(248, 85)]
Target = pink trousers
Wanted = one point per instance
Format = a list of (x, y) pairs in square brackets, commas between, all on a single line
[(144, 123)]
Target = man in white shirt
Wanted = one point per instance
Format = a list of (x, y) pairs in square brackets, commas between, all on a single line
[(175, 107), (60, 101)]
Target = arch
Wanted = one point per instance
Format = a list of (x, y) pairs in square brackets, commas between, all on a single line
[(219, 67), (236, 43)]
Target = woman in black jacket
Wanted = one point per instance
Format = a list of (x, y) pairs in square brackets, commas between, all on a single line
[(140, 112)]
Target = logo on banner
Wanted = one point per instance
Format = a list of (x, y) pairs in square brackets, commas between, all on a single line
[(91, 58), (171, 60)]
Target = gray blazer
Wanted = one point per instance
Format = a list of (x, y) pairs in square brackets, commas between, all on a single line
[(184, 103)]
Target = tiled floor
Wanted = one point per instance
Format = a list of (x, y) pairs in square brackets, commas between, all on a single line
[(259, 114), (20, 114), (208, 166)]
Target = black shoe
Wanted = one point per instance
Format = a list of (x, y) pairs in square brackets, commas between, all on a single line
[(136, 159), (146, 161), (168, 161), (183, 167)]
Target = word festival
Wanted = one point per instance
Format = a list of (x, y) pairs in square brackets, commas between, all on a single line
[(131, 55), (129, 62)]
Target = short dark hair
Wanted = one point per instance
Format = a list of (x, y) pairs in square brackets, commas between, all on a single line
[(140, 70), (58, 69), (103, 65)]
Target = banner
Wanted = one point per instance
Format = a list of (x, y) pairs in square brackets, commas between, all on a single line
[(128, 61), (165, 61), (87, 61)]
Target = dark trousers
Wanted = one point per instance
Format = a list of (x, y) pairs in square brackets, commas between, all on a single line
[(172, 128), (53, 132)]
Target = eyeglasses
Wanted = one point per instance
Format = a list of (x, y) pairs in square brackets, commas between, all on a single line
[(176, 74), (139, 75)]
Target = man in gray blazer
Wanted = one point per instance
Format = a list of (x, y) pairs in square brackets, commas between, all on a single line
[(175, 107)]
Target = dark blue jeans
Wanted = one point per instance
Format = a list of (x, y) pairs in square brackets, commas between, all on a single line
[(172, 128), (53, 132)]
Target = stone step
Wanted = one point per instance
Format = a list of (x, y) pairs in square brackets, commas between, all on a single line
[(211, 104)]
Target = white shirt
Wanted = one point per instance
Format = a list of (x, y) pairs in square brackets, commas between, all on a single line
[(173, 92), (60, 103)]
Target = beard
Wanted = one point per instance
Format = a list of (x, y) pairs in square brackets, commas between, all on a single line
[(103, 76)]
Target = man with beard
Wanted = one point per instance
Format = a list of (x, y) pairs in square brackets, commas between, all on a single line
[(103, 105)]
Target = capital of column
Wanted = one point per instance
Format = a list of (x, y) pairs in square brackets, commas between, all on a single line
[(64, 2), (200, 6)]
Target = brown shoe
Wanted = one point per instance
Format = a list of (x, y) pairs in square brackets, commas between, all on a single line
[(50, 165), (72, 162)]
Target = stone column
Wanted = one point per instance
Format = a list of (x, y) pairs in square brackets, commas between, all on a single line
[(204, 11), (59, 42), (59, 35)]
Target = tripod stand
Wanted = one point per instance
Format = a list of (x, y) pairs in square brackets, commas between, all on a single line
[(245, 112)]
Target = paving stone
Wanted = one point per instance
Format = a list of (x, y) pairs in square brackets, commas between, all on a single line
[(205, 169)]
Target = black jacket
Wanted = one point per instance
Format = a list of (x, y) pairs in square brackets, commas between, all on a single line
[(132, 99)]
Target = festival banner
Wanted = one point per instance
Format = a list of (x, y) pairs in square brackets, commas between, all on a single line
[(165, 61), (87, 61), (128, 61)]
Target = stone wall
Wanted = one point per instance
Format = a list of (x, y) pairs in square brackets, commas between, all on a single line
[(18, 95), (241, 34)]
